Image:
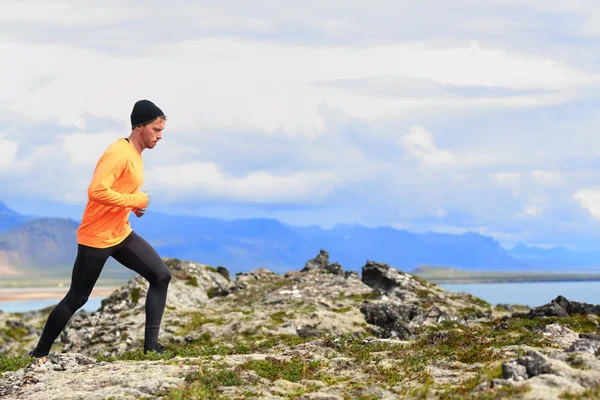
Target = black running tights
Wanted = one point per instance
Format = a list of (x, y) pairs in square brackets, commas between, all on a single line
[(134, 253)]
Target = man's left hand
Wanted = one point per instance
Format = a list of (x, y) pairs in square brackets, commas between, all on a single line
[(139, 212)]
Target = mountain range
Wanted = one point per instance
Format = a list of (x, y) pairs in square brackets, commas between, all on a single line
[(49, 245)]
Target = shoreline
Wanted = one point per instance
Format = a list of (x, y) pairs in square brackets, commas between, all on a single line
[(25, 294), (484, 281)]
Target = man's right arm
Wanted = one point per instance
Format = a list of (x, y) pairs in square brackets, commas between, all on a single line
[(109, 168)]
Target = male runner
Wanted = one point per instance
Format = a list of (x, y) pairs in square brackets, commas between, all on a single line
[(105, 230)]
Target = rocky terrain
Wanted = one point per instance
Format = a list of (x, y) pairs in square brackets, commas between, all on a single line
[(315, 333)]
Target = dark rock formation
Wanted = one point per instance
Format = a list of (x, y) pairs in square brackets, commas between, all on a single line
[(391, 319), (321, 262), (561, 307), (528, 366)]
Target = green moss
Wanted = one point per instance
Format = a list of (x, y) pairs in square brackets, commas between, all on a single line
[(374, 295), (16, 334), (279, 317), (211, 292), (294, 370), (342, 310), (172, 263), (13, 362), (135, 295), (205, 385), (588, 394), (577, 323), (197, 320), (576, 361), (211, 269), (477, 301), (421, 281), (192, 280)]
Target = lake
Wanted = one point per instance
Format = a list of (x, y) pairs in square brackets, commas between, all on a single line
[(93, 304), (532, 294)]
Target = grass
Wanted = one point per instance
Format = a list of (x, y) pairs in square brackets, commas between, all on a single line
[(342, 309), (16, 334), (209, 349), (135, 295), (294, 370), (13, 362), (198, 320), (202, 385), (192, 281), (577, 323), (279, 317), (373, 295), (592, 393)]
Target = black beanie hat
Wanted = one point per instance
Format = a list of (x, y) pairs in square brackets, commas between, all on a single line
[(144, 111)]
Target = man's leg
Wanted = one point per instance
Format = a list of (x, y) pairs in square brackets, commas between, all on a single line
[(86, 270), (138, 255)]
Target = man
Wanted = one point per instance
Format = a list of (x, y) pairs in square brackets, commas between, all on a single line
[(105, 230)]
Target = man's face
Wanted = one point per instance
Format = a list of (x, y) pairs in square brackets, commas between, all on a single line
[(151, 133)]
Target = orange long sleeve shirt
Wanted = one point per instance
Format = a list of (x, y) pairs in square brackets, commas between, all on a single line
[(112, 194)]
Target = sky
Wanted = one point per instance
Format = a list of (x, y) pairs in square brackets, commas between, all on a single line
[(446, 116)]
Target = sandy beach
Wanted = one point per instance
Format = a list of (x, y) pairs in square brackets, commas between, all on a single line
[(20, 294)]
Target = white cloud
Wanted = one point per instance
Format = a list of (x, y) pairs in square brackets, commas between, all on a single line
[(530, 211), (8, 154), (507, 178), (546, 178), (244, 83), (420, 144), (589, 199), (206, 181)]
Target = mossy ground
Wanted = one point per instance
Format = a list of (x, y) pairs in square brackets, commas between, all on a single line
[(404, 368)]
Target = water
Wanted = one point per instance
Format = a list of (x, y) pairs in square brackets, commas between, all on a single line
[(532, 294), (93, 304)]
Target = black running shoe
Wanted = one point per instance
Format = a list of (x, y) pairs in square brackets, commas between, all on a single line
[(34, 354), (157, 348)]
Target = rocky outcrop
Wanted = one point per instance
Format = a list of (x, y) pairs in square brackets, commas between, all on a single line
[(76, 377), (317, 333), (390, 320), (118, 326), (561, 307), (321, 263)]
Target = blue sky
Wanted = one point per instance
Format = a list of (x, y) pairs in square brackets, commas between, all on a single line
[(449, 116)]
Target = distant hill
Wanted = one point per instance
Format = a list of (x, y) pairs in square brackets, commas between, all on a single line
[(250, 243), (49, 245), (556, 257), (10, 218), (44, 247)]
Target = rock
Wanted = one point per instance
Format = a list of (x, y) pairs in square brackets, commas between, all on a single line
[(351, 275), (224, 272), (436, 316), (321, 262), (381, 276), (118, 325), (74, 376), (559, 335), (390, 319), (585, 345), (561, 307), (513, 370), (590, 336), (261, 274), (535, 363)]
